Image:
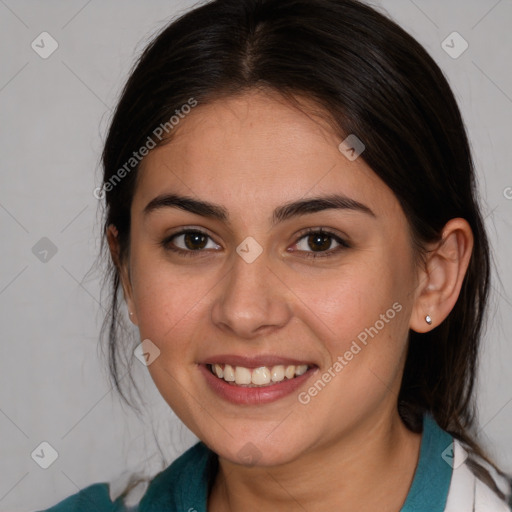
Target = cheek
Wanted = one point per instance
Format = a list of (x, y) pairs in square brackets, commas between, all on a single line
[(348, 299), (364, 332), (360, 313), (171, 305), (167, 300)]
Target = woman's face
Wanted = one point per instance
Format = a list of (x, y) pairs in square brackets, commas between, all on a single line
[(249, 288)]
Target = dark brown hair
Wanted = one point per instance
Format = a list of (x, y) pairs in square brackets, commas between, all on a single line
[(370, 78)]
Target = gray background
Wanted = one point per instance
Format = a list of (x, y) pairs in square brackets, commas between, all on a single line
[(54, 113)]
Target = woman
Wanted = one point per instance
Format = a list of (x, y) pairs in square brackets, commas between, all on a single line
[(291, 214)]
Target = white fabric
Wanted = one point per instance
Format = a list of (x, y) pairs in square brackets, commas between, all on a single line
[(117, 486), (467, 493)]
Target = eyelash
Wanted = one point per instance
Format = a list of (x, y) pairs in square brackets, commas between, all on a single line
[(166, 243)]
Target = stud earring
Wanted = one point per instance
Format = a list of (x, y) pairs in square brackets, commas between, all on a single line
[(131, 313), (428, 320)]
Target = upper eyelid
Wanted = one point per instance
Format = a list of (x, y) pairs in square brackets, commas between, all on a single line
[(327, 231), (185, 230)]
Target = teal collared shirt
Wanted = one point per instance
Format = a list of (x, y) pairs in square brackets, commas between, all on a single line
[(183, 486)]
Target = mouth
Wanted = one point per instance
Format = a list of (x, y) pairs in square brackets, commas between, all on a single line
[(262, 380), (262, 376)]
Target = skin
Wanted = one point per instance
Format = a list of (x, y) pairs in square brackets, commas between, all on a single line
[(347, 449)]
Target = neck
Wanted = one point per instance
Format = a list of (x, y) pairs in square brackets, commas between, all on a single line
[(370, 468)]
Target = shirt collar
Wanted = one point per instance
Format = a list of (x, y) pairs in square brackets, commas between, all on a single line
[(429, 489)]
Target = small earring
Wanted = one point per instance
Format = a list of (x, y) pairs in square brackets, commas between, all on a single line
[(131, 313), (428, 320)]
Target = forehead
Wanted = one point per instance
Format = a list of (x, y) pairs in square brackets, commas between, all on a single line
[(256, 149)]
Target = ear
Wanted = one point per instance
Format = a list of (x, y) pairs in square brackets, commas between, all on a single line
[(442, 277), (123, 270)]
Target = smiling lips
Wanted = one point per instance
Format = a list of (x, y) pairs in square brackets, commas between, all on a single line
[(257, 380), (256, 377)]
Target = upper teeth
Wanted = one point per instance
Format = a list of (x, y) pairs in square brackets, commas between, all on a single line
[(258, 376)]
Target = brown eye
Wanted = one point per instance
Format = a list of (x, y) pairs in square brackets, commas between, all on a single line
[(194, 241), (319, 243), (187, 242)]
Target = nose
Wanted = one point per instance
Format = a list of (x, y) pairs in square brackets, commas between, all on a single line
[(251, 300)]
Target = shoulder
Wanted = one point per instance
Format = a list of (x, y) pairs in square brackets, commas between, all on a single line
[(94, 497), (183, 483), (486, 500), (186, 471), (468, 492)]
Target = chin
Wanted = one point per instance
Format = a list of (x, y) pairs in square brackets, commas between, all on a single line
[(256, 451)]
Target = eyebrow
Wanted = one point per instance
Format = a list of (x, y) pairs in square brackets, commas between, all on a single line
[(281, 213)]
